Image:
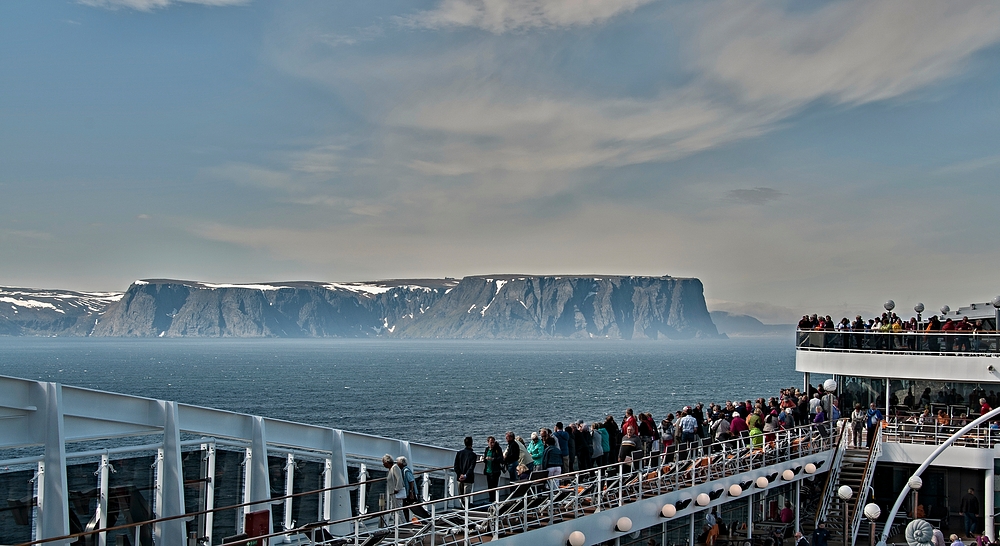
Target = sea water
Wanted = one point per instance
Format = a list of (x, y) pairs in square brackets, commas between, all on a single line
[(425, 391)]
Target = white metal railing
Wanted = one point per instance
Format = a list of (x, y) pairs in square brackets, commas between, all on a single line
[(866, 481), (908, 432), (966, 343), (530, 504), (526, 505), (833, 476)]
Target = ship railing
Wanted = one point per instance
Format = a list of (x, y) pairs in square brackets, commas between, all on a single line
[(525, 505), (864, 493), (959, 343), (833, 476), (912, 431)]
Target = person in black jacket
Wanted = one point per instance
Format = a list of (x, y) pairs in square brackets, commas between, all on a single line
[(511, 456), (465, 468)]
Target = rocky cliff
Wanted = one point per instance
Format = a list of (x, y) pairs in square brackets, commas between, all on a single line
[(480, 307)]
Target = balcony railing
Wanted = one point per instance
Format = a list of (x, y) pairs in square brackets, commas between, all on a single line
[(905, 431), (523, 506), (953, 343)]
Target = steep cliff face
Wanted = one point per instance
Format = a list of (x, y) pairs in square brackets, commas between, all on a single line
[(481, 307), (38, 312), (300, 309), (520, 307)]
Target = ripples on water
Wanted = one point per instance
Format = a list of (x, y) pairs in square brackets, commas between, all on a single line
[(426, 391)]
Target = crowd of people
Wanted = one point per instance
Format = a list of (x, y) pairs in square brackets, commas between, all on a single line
[(968, 334), (582, 445)]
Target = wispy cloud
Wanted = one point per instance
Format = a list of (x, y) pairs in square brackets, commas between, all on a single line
[(354, 37), (754, 66), (755, 196), (500, 16), (150, 5), (964, 167)]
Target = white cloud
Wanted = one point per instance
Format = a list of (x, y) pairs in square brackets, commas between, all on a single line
[(471, 111), (847, 52), (150, 5), (499, 16)]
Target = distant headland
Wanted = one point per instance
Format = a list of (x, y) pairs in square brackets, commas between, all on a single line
[(475, 307)]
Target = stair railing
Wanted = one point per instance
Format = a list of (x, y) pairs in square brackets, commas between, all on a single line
[(833, 476), (866, 482)]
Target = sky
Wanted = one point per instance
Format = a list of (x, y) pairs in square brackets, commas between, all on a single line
[(795, 156)]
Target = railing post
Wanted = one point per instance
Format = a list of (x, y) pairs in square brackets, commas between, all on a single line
[(103, 473), (288, 523), (209, 474), (363, 490)]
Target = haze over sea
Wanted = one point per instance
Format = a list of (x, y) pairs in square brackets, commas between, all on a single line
[(432, 392)]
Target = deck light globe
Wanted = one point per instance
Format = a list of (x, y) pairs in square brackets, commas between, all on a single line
[(668, 511), (830, 385), (576, 538), (623, 525), (762, 482), (810, 468), (889, 305), (845, 492), (945, 309), (915, 483), (788, 475), (735, 490), (872, 511), (703, 499), (918, 308), (996, 302)]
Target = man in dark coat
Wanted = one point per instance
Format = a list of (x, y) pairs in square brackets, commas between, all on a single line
[(511, 456), (465, 468), (969, 509)]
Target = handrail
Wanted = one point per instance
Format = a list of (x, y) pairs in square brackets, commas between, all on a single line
[(272, 500), (959, 343), (833, 476), (985, 436), (630, 479), (866, 480)]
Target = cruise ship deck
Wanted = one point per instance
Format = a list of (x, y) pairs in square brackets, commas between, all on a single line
[(903, 374), (83, 466)]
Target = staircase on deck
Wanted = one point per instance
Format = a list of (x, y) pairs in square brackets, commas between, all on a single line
[(857, 467)]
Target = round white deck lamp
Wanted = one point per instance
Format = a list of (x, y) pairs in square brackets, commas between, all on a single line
[(872, 511), (945, 309), (810, 468), (830, 385), (996, 302), (762, 482), (788, 475), (915, 483), (735, 490), (889, 305), (845, 492), (668, 511), (623, 525), (576, 538), (703, 499), (918, 308)]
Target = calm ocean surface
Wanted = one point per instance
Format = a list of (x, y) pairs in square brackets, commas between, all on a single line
[(426, 391)]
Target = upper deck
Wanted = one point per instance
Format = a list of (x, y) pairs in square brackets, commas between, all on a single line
[(969, 357)]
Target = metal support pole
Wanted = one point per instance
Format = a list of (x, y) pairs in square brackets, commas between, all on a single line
[(289, 490), (805, 383), (750, 519), (363, 490), (691, 536), (326, 512), (798, 504), (988, 493), (102, 501), (247, 477), (209, 450)]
